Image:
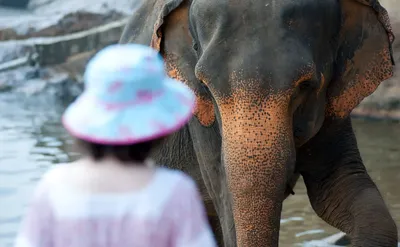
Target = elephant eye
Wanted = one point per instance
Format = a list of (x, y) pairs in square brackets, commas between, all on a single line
[(307, 85), (195, 47)]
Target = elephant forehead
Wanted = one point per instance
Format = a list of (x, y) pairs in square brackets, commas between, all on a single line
[(232, 5), (237, 22), (260, 10)]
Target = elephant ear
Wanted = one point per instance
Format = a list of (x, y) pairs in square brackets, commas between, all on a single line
[(364, 57), (144, 25), (164, 25)]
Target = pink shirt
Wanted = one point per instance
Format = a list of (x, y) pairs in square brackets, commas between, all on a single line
[(168, 212)]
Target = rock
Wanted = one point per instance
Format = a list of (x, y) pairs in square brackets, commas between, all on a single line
[(34, 4), (34, 74), (47, 82), (55, 64), (12, 50), (7, 34), (15, 3), (4, 87), (69, 27), (34, 87), (70, 23), (59, 17), (56, 50)]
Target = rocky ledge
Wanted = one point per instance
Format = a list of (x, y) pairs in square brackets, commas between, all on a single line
[(45, 47), (69, 23), (52, 53)]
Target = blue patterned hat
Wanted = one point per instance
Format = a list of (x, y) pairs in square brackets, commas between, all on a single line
[(128, 98)]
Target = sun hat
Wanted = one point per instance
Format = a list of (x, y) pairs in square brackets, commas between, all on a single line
[(128, 98)]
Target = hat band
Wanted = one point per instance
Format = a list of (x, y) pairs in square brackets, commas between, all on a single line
[(142, 97)]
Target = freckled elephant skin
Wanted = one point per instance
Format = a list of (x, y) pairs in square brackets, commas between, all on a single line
[(275, 82), (256, 137)]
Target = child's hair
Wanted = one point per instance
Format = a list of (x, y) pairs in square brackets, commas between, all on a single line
[(125, 153)]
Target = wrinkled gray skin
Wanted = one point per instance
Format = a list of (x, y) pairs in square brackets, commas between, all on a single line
[(275, 82)]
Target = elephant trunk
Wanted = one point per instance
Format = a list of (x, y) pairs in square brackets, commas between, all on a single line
[(258, 151)]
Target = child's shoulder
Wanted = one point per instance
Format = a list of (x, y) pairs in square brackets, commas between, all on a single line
[(54, 172), (178, 177), (180, 186), (48, 180)]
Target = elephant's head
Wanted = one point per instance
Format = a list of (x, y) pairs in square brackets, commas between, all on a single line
[(268, 73)]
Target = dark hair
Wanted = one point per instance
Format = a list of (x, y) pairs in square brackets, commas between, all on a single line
[(125, 153)]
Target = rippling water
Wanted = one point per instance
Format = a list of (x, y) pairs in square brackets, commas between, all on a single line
[(32, 139)]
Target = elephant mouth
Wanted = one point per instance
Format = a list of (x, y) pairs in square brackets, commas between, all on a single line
[(303, 132), (289, 189), (300, 136)]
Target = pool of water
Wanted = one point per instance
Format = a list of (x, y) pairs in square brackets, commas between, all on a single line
[(32, 140)]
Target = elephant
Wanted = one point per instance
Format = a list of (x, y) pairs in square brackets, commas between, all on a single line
[(275, 83)]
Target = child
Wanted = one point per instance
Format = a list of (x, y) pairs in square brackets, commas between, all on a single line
[(114, 196)]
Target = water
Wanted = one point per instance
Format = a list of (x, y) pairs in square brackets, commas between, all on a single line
[(32, 140)]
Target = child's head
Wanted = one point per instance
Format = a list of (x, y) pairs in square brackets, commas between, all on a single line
[(129, 104), (126, 154)]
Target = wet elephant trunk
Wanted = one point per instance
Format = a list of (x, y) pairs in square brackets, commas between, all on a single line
[(258, 151)]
